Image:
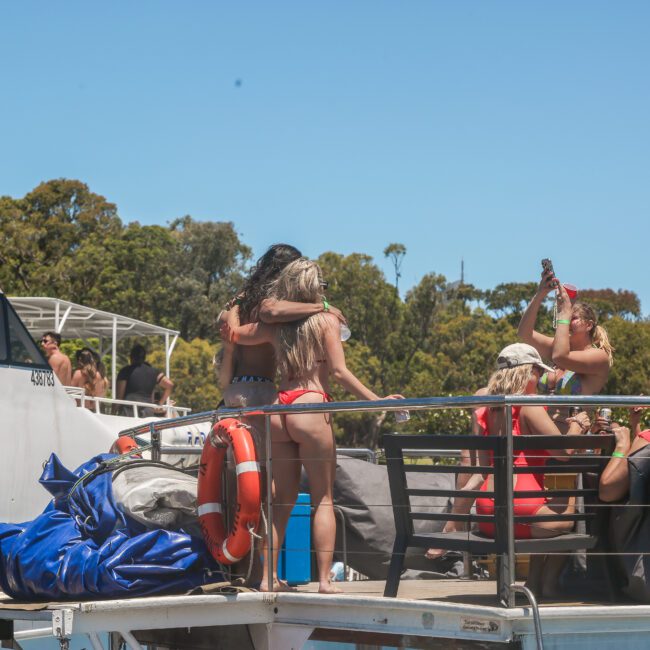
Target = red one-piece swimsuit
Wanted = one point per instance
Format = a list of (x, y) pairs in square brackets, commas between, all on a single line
[(524, 482)]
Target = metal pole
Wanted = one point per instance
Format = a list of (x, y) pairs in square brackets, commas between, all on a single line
[(269, 502), (114, 360), (167, 354), (510, 509), (155, 441)]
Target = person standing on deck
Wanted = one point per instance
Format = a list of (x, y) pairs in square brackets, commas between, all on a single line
[(137, 381), (247, 373), (59, 362)]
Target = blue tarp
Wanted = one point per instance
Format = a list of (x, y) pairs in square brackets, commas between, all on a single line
[(83, 546)]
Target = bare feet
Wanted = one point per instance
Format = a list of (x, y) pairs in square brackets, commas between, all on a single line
[(328, 588), (278, 585)]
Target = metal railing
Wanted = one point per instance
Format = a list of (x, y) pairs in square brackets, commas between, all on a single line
[(95, 403), (412, 404)]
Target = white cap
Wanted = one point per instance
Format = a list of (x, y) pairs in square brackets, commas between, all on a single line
[(519, 354)]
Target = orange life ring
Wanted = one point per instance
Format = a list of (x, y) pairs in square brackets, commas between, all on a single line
[(233, 547), (123, 445)]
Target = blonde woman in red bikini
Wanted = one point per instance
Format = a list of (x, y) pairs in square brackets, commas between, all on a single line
[(308, 354)]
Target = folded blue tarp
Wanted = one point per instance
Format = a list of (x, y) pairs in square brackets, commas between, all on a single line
[(83, 546)]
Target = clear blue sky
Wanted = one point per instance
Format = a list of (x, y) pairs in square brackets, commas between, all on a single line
[(497, 132)]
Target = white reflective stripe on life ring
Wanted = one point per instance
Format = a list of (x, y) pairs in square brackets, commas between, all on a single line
[(232, 558), (248, 466), (209, 508)]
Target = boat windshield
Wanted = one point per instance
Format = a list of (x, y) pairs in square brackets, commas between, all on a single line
[(17, 347)]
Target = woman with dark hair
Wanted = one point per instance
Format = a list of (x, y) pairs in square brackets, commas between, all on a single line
[(247, 373), (88, 377), (309, 354)]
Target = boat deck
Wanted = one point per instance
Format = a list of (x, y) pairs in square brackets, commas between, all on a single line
[(425, 613)]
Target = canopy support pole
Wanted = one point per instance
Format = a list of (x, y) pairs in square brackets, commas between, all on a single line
[(114, 360)]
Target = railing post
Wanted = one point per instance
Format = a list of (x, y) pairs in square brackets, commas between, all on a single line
[(507, 565), (155, 442), (269, 502)]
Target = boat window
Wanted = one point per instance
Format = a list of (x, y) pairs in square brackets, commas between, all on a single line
[(19, 346), (3, 333)]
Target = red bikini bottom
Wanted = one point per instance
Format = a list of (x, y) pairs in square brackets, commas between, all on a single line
[(290, 396)]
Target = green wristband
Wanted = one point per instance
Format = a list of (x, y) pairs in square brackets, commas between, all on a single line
[(563, 321), (617, 454), (326, 305)]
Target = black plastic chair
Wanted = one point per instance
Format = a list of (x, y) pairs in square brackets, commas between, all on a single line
[(471, 541)]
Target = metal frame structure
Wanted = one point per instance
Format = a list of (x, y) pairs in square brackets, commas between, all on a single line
[(95, 404), (506, 402), (42, 314)]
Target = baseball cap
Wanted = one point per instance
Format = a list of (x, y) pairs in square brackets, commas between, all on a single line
[(519, 354)]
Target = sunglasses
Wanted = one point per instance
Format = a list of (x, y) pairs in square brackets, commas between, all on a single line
[(324, 284)]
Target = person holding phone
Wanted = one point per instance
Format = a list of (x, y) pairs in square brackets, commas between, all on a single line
[(580, 350)]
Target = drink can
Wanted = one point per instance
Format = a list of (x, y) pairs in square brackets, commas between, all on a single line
[(573, 411), (402, 416), (605, 413)]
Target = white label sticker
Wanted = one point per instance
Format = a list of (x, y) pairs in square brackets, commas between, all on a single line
[(480, 625)]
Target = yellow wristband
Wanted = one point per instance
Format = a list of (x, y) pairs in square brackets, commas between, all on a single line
[(617, 454), (563, 321), (326, 305)]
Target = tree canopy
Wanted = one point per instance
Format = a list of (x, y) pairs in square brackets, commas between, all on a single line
[(63, 240)]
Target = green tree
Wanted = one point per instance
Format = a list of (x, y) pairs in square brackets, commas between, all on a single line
[(608, 302), (136, 277), (509, 299), (396, 253), (209, 270), (192, 372), (359, 288), (44, 232)]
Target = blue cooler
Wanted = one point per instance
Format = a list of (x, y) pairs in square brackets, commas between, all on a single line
[(294, 562)]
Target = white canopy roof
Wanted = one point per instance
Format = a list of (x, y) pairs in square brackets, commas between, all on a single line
[(76, 321)]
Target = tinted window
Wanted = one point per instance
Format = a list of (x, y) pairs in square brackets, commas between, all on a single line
[(3, 333), (20, 344)]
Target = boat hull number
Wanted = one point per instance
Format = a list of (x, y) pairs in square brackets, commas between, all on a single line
[(44, 378)]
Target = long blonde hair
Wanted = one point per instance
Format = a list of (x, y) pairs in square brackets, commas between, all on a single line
[(510, 381), (598, 333), (300, 343)]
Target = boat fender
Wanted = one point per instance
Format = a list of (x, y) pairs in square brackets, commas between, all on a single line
[(231, 547)]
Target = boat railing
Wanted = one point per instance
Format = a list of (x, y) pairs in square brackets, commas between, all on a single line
[(123, 407), (505, 402)]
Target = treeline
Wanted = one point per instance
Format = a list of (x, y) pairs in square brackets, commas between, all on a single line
[(62, 240)]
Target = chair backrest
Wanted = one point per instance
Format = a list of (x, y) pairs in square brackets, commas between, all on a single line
[(586, 458), (590, 455)]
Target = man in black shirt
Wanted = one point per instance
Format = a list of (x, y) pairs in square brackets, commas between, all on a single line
[(137, 381)]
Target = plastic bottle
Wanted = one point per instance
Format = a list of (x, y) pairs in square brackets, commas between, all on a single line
[(337, 572), (345, 332), (402, 416)]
